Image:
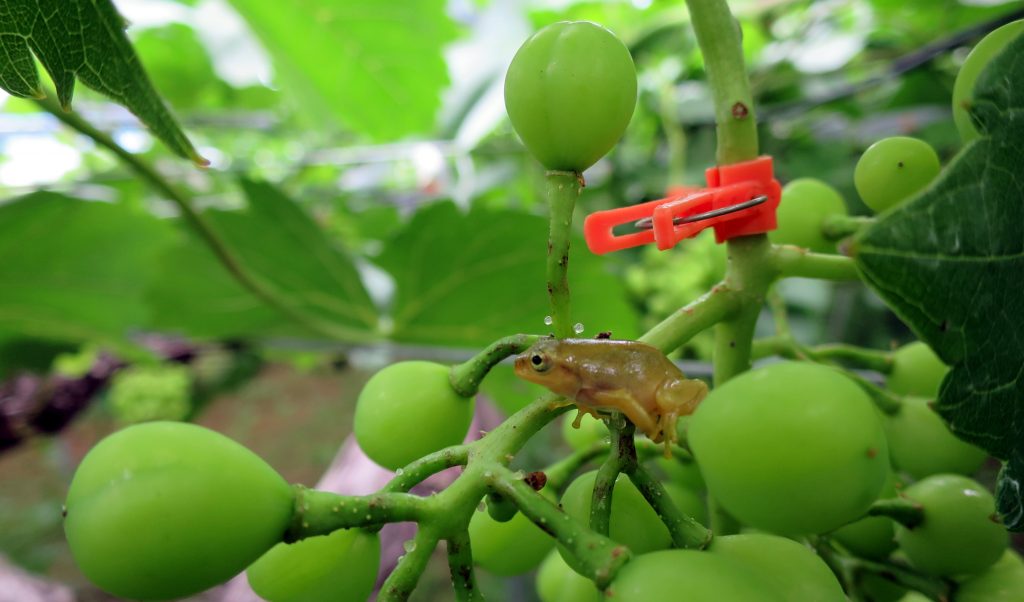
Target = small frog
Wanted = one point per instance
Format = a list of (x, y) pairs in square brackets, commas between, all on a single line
[(631, 377)]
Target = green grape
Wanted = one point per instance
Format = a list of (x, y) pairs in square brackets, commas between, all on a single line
[(341, 567), (1001, 582), (142, 393), (959, 535), (557, 582), (683, 472), (806, 202), (409, 410), (893, 170), (633, 521), (915, 597), (688, 501), (690, 575), (165, 510), (590, 432), (509, 548), (963, 89), (570, 93), (873, 537), (792, 448), (789, 568), (875, 588), (920, 443), (916, 370)]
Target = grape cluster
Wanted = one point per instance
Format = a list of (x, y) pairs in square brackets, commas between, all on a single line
[(140, 393)]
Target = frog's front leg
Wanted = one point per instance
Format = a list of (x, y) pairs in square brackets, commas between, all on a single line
[(675, 399), (623, 401), (581, 411)]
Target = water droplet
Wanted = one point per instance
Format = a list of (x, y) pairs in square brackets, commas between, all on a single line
[(518, 475), (409, 546), (548, 320), (488, 474), (399, 472), (578, 327), (399, 559)]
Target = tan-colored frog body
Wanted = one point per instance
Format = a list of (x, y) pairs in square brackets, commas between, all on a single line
[(603, 374)]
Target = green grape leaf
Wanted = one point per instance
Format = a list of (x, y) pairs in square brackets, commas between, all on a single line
[(286, 250), (75, 271), (466, 279), (951, 263), (81, 39), (376, 67)]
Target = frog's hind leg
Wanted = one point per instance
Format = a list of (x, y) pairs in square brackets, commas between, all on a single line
[(623, 400), (581, 411), (679, 398)]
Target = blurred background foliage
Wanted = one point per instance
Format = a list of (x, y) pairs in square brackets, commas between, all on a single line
[(362, 163)]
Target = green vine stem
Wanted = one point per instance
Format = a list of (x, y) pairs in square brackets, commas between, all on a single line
[(797, 262), (467, 376), (933, 588), (249, 281), (699, 315), (402, 581), (838, 227), (460, 563), (419, 470), (559, 473), (599, 557), (750, 273), (685, 531), (621, 444), (561, 189), (322, 512), (719, 38), (906, 512)]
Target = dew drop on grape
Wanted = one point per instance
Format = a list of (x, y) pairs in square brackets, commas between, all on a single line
[(548, 320), (578, 328), (409, 546)]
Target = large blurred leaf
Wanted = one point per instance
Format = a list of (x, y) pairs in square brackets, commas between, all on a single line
[(73, 270), (375, 66), (81, 39), (951, 263), (287, 251), (467, 279)]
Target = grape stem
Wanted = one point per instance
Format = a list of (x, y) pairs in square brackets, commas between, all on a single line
[(562, 188), (402, 581), (460, 563), (467, 376), (906, 512), (838, 227), (419, 470), (796, 262), (322, 512)]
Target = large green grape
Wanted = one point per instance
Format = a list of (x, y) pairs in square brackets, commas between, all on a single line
[(893, 170), (791, 448), (633, 521), (570, 92), (920, 443), (409, 410), (692, 576), (916, 370), (341, 567), (509, 548), (164, 510), (1001, 582), (959, 534), (872, 537), (977, 60), (789, 568), (806, 202), (557, 582)]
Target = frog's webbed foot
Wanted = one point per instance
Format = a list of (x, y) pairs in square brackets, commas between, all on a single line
[(623, 400), (582, 411), (680, 398)]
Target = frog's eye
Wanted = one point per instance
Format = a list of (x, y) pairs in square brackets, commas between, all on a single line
[(540, 362)]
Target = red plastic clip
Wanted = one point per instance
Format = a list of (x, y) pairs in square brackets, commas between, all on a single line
[(740, 199)]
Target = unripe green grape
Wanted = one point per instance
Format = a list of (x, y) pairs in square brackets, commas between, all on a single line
[(963, 89), (590, 432), (341, 567), (164, 510), (570, 93), (894, 169), (509, 548), (811, 429), (685, 473), (688, 501), (408, 410), (872, 537), (916, 370), (690, 575), (806, 203), (920, 443), (788, 567), (875, 588), (1001, 582), (633, 522), (557, 582), (960, 534)]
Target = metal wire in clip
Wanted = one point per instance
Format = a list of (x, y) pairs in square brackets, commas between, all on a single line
[(647, 223)]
